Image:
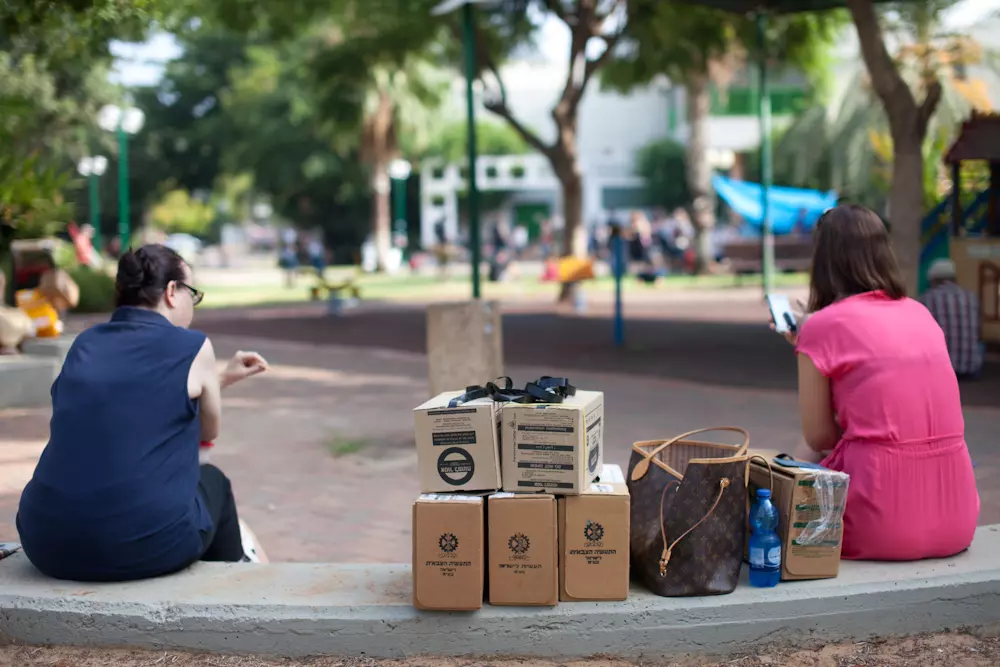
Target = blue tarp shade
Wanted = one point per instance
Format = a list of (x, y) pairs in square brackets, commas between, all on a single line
[(787, 204)]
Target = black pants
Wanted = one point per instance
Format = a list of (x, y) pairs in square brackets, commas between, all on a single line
[(224, 542)]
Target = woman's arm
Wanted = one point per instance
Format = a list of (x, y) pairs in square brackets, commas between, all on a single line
[(819, 427), (205, 378)]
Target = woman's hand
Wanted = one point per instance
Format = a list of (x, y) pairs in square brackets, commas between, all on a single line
[(807, 454), (801, 315), (242, 366)]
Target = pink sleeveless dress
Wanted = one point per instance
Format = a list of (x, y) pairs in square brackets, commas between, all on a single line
[(912, 493)]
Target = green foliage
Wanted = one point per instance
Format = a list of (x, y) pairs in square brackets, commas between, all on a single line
[(179, 212), (288, 147), (38, 131), (31, 196), (661, 164), (450, 143), (97, 290)]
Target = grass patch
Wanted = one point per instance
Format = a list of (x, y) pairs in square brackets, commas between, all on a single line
[(345, 446), (404, 288)]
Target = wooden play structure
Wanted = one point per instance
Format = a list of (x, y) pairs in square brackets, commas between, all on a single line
[(972, 235)]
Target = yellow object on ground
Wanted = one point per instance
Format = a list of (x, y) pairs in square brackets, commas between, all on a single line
[(56, 292), (575, 269), (40, 311)]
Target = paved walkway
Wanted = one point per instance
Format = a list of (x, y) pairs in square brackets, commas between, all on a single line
[(320, 448)]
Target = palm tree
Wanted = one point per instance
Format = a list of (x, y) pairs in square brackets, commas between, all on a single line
[(398, 102), (371, 102)]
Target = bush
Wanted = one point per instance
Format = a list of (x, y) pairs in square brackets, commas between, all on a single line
[(662, 165), (97, 290)]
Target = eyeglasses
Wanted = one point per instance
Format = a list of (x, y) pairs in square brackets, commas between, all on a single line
[(196, 294)]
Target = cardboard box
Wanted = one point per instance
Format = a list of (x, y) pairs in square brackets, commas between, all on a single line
[(553, 447), (811, 504), (457, 448), (448, 552), (523, 549), (594, 540)]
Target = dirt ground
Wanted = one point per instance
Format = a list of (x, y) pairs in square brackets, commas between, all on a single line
[(957, 649)]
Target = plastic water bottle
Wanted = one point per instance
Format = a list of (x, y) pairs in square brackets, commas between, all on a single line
[(765, 545)]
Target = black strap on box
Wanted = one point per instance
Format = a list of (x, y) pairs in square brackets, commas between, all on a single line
[(543, 390)]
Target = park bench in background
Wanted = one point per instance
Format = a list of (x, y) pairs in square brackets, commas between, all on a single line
[(334, 292), (791, 254)]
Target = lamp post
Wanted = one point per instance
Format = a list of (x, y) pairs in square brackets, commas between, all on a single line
[(471, 70), (399, 172), (92, 168), (123, 121)]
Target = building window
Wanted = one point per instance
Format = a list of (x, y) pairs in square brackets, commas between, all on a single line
[(628, 198), (742, 101)]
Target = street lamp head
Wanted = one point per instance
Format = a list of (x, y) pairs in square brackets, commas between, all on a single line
[(100, 164), (113, 118), (400, 170), (132, 120), (109, 118), (86, 166)]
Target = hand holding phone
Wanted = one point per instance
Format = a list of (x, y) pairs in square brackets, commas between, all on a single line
[(785, 319), (782, 315)]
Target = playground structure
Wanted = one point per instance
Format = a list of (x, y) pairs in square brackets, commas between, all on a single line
[(965, 227)]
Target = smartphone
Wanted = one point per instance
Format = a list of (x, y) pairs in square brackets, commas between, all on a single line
[(782, 314)]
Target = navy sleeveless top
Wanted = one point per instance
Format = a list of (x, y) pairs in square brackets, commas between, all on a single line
[(115, 493)]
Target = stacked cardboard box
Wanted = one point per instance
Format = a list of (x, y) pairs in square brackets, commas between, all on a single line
[(517, 495)]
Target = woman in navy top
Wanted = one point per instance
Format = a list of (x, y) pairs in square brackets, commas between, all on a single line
[(118, 493)]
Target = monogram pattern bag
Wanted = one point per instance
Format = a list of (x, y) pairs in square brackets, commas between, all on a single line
[(689, 513)]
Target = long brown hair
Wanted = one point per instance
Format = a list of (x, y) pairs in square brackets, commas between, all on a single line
[(852, 255)]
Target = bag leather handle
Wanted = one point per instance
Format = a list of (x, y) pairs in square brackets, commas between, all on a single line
[(668, 550), (643, 466), (770, 470)]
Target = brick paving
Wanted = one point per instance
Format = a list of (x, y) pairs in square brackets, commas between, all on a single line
[(320, 448)]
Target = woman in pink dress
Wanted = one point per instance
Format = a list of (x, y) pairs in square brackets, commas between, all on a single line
[(876, 387)]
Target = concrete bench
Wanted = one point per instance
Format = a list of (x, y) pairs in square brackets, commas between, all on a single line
[(26, 380), (295, 610), (51, 348)]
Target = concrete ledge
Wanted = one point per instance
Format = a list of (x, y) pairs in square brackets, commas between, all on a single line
[(26, 380), (297, 610), (50, 348)]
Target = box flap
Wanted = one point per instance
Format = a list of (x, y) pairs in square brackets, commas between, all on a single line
[(442, 400)]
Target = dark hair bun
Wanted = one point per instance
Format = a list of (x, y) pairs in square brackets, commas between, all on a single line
[(130, 271), (143, 275)]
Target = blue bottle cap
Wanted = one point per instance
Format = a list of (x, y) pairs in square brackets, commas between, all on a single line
[(763, 493)]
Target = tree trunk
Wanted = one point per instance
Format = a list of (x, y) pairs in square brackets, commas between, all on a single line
[(566, 165), (699, 170), (906, 206), (908, 124), (381, 217), (380, 144)]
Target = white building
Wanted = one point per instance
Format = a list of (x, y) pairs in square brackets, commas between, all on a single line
[(613, 127)]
